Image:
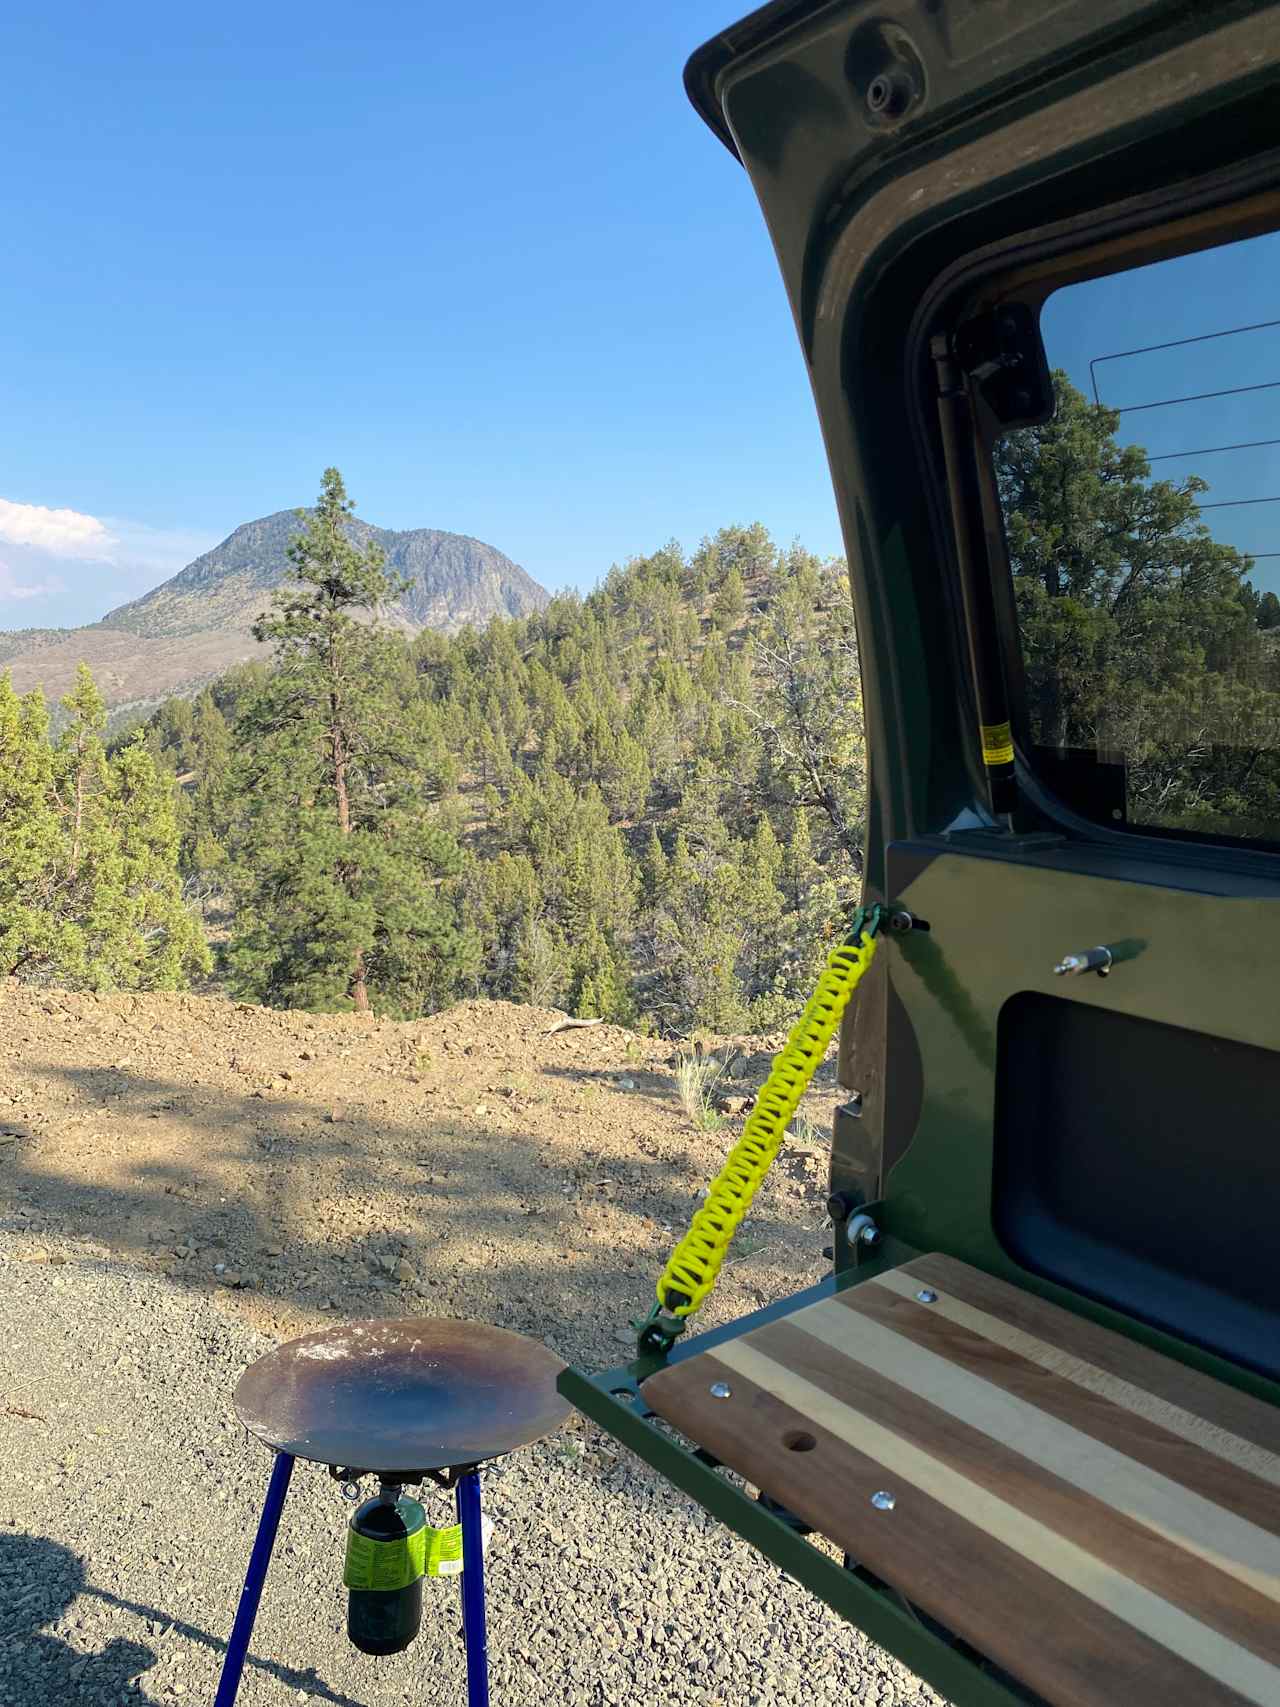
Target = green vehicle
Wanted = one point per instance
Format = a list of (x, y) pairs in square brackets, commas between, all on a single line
[(1031, 252)]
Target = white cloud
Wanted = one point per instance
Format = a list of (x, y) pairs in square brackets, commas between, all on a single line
[(75, 565), (62, 533)]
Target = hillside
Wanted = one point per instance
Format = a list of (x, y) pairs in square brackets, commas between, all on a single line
[(645, 805), (197, 624)]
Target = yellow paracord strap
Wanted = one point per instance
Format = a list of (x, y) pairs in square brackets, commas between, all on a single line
[(691, 1272)]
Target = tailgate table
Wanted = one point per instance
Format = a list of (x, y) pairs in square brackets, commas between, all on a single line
[(1099, 1520)]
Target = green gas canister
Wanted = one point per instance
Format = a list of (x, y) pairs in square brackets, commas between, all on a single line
[(385, 1561)]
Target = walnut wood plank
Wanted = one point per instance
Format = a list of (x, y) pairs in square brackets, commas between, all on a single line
[(1222, 1407), (1241, 1450), (1101, 1528), (1151, 1558), (1059, 1641), (1145, 1448)]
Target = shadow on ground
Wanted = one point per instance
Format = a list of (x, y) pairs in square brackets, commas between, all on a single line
[(43, 1582), (552, 1226)]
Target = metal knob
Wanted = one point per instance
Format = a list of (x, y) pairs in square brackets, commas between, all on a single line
[(1097, 960)]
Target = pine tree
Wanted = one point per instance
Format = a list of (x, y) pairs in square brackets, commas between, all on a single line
[(698, 938), (730, 603), (653, 868), (340, 863), (120, 895), (599, 989), (761, 964), (696, 935), (626, 778), (204, 822), (798, 871), (805, 709)]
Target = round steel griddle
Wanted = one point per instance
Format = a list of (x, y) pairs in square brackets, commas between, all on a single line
[(413, 1394)]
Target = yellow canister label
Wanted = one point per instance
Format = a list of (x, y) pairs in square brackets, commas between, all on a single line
[(997, 744), (390, 1564), (397, 1563), (444, 1551)]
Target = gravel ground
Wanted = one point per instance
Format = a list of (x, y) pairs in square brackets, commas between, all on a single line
[(130, 1492)]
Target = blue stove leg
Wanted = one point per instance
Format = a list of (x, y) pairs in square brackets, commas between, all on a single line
[(473, 1624), (255, 1576)]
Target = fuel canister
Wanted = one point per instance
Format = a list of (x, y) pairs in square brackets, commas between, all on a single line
[(386, 1558)]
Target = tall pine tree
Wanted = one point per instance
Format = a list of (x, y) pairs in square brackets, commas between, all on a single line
[(340, 867)]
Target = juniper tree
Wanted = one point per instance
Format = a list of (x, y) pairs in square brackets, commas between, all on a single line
[(30, 835), (90, 892), (730, 603), (117, 893), (136, 930)]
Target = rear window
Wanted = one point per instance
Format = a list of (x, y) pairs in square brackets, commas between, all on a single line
[(1143, 528)]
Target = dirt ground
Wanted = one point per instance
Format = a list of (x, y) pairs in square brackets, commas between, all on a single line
[(184, 1181), (297, 1166)]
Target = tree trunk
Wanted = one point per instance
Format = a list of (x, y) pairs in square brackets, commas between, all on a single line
[(358, 987), (1053, 713), (340, 781), (73, 864)]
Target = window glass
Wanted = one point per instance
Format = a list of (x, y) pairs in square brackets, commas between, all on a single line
[(1143, 526)]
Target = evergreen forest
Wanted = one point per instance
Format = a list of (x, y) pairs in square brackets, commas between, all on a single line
[(643, 805)]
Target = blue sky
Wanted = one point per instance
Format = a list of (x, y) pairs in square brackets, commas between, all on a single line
[(490, 264), (486, 260)]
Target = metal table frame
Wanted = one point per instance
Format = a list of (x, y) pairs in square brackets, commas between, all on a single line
[(615, 1401)]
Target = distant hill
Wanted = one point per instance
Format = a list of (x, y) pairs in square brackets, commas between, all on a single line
[(198, 623)]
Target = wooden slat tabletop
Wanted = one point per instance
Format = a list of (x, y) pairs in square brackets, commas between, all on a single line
[(1099, 1520)]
